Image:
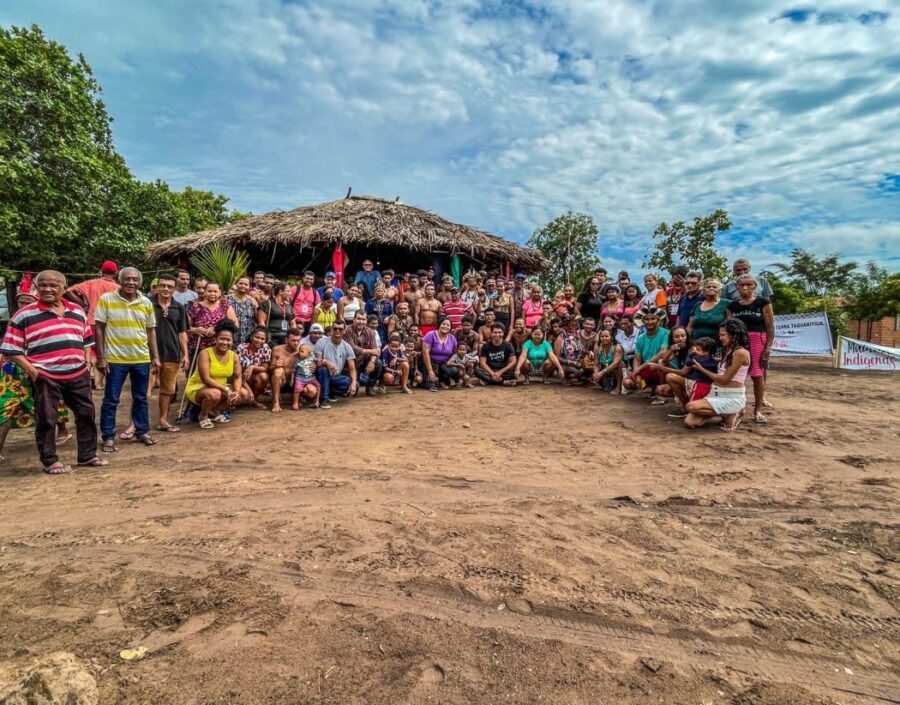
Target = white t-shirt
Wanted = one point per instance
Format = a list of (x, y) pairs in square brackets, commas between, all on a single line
[(627, 341)]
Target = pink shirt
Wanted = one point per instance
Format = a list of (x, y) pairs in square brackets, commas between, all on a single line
[(533, 312), (305, 301)]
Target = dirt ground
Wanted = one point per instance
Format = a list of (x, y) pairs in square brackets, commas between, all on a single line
[(539, 545)]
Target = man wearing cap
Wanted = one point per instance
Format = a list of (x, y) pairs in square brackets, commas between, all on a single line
[(330, 281), (518, 293), (49, 340), (653, 340), (87, 293), (316, 331), (455, 309)]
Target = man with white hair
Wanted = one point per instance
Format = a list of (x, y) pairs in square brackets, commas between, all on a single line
[(50, 340), (126, 347), (740, 268)]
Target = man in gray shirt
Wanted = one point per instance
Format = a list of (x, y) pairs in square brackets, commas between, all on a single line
[(739, 268), (337, 366), (183, 292)]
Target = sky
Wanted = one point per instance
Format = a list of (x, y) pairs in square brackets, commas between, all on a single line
[(503, 114)]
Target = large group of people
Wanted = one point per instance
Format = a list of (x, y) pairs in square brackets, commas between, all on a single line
[(689, 342)]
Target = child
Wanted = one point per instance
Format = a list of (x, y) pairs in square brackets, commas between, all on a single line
[(305, 377), (413, 357), (696, 384), (465, 361), (396, 366), (373, 323)]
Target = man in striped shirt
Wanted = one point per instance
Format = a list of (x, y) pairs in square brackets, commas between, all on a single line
[(126, 347), (51, 340), (456, 308)]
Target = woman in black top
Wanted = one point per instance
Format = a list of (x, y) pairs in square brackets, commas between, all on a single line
[(590, 300), (275, 314), (755, 312)]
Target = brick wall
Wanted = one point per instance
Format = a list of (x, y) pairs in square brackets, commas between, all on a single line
[(882, 332)]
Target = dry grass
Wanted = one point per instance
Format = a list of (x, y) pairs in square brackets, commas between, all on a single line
[(357, 220)]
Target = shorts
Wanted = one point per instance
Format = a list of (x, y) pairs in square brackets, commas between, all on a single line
[(648, 377), (168, 376), (758, 340), (301, 384), (697, 389), (726, 401), (425, 330)]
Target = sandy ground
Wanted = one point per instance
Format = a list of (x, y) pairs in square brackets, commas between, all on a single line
[(545, 545)]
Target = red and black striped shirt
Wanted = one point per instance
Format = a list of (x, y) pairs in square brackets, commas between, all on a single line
[(53, 343)]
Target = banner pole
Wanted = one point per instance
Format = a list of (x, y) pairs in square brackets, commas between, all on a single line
[(837, 353)]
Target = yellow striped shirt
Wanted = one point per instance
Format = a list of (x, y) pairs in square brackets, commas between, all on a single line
[(126, 327)]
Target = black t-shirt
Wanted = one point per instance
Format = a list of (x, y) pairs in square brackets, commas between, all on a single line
[(591, 304), (498, 356), (278, 316), (751, 315), (169, 324)]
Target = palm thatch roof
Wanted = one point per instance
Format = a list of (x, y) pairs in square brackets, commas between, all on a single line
[(357, 220)]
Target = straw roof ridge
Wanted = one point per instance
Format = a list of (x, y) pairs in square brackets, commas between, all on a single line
[(356, 220)]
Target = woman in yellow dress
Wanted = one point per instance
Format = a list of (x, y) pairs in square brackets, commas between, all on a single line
[(217, 384)]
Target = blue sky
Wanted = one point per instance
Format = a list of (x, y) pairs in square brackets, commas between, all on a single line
[(503, 114)]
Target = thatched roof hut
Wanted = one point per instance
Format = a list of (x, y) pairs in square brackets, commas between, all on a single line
[(394, 233)]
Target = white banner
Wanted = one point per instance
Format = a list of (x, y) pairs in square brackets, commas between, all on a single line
[(855, 354), (802, 334)]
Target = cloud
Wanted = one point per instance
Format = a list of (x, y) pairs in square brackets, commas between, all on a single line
[(504, 113)]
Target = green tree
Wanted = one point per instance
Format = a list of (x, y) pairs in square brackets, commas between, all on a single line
[(693, 245), (569, 242), (57, 161), (786, 298), (67, 199), (818, 276)]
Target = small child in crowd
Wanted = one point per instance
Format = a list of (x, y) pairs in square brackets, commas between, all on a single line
[(305, 376), (702, 351), (466, 361), (395, 365), (413, 356)]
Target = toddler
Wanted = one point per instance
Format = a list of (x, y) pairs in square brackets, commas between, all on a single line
[(305, 378), (466, 361)]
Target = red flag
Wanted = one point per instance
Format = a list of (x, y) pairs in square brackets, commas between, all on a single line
[(339, 262), (508, 270)]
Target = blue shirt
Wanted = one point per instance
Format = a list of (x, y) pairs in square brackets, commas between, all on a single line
[(338, 292), (686, 306), (370, 279)]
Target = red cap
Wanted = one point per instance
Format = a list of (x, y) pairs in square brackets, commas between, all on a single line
[(108, 267)]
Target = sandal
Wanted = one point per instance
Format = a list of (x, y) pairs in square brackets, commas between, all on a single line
[(207, 423), (126, 436), (58, 468), (760, 419), (146, 440), (109, 446), (221, 418), (62, 440), (657, 401), (729, 427), (168, 429), (95, 462)]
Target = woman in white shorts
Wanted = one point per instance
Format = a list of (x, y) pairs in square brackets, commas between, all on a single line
[(728, 395)]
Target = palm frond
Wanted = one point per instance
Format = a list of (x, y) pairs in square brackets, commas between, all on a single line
[(222, 264)]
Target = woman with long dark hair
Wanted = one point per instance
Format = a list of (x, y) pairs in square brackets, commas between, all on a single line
[(755, 312), (728, 396)]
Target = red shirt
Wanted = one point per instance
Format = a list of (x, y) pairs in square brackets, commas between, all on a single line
[(53, 343), (456, 311), (92, 290)]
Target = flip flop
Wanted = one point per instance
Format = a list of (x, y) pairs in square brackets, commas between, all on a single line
[(760, 419), (95, 462), (221, 418), (146, 440), (126, 436), (207, 423), (657, 402), (110, 446), (58, 468), (62, 440), (168, 429)]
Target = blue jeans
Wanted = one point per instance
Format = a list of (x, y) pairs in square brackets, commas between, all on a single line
[(332, 384), (140, 411)]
